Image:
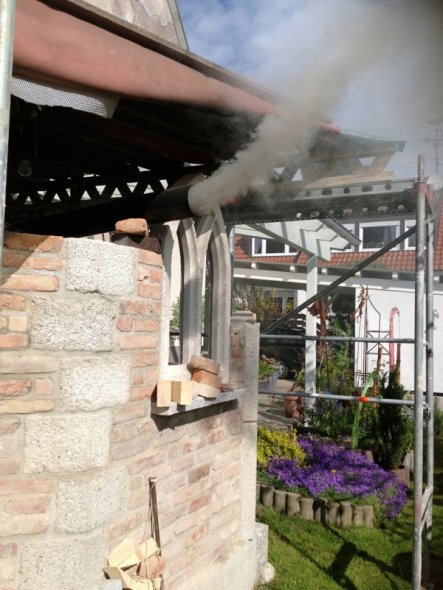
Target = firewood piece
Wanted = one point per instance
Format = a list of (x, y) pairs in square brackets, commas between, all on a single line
[(181, 392), (146, 549), (123, 555), (164, 394), (200, 362), (202, 376)]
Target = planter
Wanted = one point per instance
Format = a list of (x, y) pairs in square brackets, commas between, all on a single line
[(333, 512), (402, 473)]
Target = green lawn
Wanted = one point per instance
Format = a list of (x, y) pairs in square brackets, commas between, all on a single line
[(311, 556)]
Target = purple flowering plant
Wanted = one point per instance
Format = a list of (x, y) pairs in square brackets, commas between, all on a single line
[(333, 471)]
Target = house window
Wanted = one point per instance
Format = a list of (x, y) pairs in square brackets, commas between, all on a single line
[(377, 234), (411, 241), (265, 247)]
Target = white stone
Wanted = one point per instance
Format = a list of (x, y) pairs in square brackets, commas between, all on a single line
[(67, 444), (70, 324), (103, 267), (83, 505), (73, 564), (262, 531), (266, 574), (248, 481), (88, 384)]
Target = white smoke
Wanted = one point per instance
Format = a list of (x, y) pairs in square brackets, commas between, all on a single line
[(383, 56)]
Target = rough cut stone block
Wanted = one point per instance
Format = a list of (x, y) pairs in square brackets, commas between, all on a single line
[(82, 506), (65, 444), (346, 514), (95, 266), (280, 500), (320, 510), (292, 503), (333, 517), (200, 362), (267, 495), (88, 384), (73, 564), (73, 325), (368, 516), (307, 508), (358, 515)]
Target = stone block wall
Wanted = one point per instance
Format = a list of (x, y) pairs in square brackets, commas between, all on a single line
[(79, 352)]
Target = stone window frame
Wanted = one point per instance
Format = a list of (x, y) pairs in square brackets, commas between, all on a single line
[(194, 238)]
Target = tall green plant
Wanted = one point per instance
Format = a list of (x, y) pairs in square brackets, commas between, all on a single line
[(390, 429)]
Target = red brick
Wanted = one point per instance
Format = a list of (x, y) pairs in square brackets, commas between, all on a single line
[(11, 341), (147, 326), (216, 437), (134, 225), (134, 341), (28, 505), (31, 242), (200, 362), (155, 276), (128, 524), (125, 324), (136, 307), (146, 463), (147, 257), (130, 411), (199, 473), (47, 263), (3, 323), (196, 534), (9, 425), (206, 378), (18, 323), (145, 359), (9, 466), (24, 525), (25, 486), (8, 550), (14, 302), (14, 387), (200, 502), (44, 387), (15, 260), (150, 291), (42, 283), (141, 392), (137, 377)]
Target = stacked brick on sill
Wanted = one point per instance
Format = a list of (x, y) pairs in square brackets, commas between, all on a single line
[(205, 382)]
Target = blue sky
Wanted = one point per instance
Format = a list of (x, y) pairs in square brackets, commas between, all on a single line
[(278, 42)]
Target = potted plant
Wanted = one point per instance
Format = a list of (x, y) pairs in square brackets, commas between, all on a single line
[(267, 373)]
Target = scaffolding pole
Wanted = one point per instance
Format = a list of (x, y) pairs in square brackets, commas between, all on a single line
[(7, 16), (419, 377)]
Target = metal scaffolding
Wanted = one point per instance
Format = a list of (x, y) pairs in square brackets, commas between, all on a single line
[(423, 362)]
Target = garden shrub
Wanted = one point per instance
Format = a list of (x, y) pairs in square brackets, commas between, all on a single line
[(280, 444)]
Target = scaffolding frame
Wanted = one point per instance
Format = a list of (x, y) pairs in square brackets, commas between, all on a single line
[(423, 402)]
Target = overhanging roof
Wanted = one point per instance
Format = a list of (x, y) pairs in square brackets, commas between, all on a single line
[(171, 109)]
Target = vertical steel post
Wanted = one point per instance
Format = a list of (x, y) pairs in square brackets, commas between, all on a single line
[(418, 376), (7, 16), (429, 393)]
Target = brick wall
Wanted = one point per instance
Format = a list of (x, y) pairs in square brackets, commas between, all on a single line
[(79, 354)]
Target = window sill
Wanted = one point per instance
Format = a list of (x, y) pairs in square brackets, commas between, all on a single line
[(198, 403)]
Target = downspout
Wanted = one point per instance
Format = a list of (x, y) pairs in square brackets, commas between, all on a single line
[(7, 15)]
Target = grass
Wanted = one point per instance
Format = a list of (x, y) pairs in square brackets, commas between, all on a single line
[(310, 556)]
